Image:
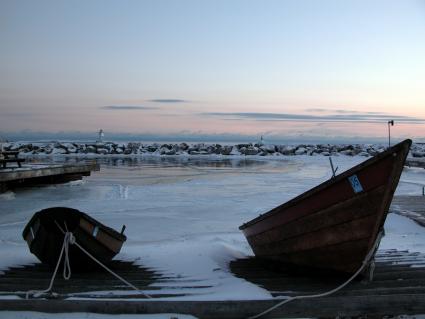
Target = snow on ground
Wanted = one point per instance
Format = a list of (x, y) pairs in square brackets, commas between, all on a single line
[(412, 181), (404, 234), (182, 216), (83, 315), (7, 195)]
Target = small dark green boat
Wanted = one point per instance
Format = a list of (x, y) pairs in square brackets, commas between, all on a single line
[(45, 234)]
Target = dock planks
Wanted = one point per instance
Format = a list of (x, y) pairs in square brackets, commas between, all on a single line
[(398, 288), (43, 174), (319, 308), (93, 284)]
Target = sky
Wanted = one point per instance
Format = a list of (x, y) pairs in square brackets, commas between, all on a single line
[(319, 70)]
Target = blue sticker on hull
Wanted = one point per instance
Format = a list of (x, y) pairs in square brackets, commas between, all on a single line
[(355, 184)]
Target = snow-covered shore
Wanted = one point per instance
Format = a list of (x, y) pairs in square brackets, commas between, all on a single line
[(167, 149)]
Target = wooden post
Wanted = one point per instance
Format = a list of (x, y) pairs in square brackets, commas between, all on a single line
[(390, 123)]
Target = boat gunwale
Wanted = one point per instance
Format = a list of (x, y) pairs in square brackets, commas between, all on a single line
[(405, 144), (108, 230)]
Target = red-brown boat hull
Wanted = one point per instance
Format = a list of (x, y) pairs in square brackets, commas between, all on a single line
[(331, 226)]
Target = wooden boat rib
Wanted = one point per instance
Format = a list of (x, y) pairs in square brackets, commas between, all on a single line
[(335, 224), (44, 236)]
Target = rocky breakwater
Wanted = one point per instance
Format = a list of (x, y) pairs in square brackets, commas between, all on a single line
[(170, 149)]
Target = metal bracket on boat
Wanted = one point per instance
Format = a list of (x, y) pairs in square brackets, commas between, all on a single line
[(95, 230), (332, 167)]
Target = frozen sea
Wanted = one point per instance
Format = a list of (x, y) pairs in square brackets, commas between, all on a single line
[(182, 214)]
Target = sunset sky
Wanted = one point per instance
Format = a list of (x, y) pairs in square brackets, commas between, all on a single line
[(282, 69)]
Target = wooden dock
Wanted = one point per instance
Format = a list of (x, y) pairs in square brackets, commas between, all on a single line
[(31, 174), (398, 288), (415, 162)]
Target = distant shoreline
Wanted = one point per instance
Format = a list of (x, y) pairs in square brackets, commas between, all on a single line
[(101, 149)]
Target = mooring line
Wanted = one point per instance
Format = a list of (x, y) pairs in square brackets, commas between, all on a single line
[(330, 292), (69, 239)]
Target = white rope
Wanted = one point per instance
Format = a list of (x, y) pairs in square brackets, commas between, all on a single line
[(66, 273), (330, 292), (66, 266), (111, 272), (70, 239)]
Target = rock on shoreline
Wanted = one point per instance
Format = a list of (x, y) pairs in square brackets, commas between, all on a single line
[(170, 149)]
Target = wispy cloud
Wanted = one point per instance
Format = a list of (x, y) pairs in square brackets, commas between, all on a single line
[(128, 107), (342, 111), (370, 117), (316, 110), (20, 114), (168, 101)]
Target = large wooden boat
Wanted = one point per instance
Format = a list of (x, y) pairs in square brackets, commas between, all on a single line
[(334, 225), (44, 234)]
